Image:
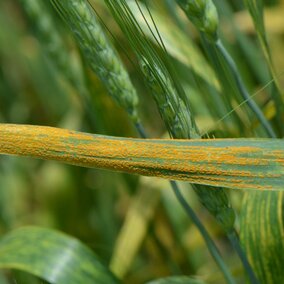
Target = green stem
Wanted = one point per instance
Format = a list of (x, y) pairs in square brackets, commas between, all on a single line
[(243, 91), (209, 242), (233, 237), (140, 129), (254, 107), (189, 211)]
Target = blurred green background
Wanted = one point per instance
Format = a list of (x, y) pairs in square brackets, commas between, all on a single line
[(109, 211)]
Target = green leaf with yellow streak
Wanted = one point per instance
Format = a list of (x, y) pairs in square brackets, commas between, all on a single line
[(262, 234), (234, 163), (52, 256)]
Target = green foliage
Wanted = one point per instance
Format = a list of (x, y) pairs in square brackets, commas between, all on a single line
[(203, 15), (99, 52), (174, 111), (52, 256), (262, 234), (160, 79), (256, 10), (217, 78)]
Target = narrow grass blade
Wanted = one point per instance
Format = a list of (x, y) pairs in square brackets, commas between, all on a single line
[(262, 233), (234, 163), (52, 256), (137, 220)]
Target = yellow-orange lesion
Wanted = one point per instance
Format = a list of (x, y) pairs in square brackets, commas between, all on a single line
[(202, 164)]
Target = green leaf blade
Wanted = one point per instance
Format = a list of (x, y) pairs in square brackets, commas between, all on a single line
[(262, 233), (52, 256)]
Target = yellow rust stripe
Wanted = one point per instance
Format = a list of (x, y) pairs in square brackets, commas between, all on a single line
[(235, 163)]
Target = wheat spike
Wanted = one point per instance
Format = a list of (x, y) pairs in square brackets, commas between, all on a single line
[(99, 52)]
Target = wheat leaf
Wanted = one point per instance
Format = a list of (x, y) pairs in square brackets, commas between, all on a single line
[(262, 234), (52, 256), (234, 163), (137, 220)]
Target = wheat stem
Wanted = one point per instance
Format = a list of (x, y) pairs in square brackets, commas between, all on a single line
[(233, 237), (243, 91), (140, 129), (203, 14), (209, 242)]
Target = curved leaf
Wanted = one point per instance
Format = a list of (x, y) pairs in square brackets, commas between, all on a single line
[(52, 256), (234, 163), (262, 234)]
